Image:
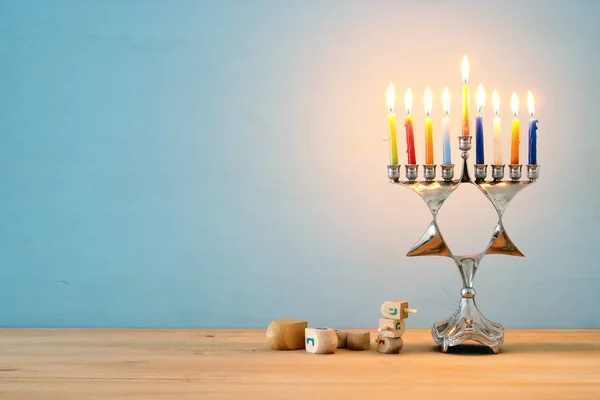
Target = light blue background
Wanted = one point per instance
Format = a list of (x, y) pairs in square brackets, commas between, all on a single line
[(222, 164)]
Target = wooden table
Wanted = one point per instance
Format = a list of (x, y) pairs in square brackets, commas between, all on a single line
[(236, 364)]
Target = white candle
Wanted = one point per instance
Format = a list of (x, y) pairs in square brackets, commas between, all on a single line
[(497, 130)]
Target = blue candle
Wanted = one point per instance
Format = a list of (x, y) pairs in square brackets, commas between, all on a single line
[(479, 158), (533, 141), (532, 130), (446, 127), (447, 151)]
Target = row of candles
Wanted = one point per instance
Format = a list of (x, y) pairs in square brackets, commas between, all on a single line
[(479, 153)]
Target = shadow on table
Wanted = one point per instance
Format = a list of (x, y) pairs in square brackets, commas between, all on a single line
[(461, 349)]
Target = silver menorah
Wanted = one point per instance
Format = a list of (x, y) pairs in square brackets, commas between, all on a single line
[(467, 322)]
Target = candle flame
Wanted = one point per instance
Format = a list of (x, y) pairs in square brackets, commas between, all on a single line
[(446, 100), (514, 103), (408, 100), (496, 102), (428, 101), (465, 69), (391, 97), (530, 103), (480, 97)]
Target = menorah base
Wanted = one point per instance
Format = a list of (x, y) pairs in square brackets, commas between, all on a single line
[(467, 323)]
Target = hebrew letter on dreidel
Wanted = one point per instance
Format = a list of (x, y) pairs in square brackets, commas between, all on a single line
[(382, 342), (393, 311), (320, 341), (398, 325)]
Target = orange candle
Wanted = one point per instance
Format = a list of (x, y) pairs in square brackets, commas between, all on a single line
[(465, 108), (428, 129), (514, 148)]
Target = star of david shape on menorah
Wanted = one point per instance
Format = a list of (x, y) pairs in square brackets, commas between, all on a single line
[(467, 322)]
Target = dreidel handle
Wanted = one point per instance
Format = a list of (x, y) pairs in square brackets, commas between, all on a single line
[(411, 310)]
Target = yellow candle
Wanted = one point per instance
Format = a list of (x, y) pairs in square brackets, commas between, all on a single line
[(428, 129), (465, 108), (391, 97), (514, 149)]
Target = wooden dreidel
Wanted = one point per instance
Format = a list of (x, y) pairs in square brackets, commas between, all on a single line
[(396, 326), (396, 309), (359, 340), (342, 338), (320, 340), (286, 334), (389, 345)]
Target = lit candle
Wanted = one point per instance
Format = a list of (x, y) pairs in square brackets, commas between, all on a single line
[(391, 97), (514, 153), (497, 129), (532, 130), (428, 128), (465, 109), (446, 126), (410, 135), (479, 153)]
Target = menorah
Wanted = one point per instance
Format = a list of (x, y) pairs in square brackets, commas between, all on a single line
[(467, 322)]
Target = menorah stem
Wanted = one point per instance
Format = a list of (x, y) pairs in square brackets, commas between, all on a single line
[(467, 322), (467, 267)]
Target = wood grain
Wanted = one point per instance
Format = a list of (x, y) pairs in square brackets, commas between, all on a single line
[(237, 364)]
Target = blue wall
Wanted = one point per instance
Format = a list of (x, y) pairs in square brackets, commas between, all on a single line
[(205, 164)]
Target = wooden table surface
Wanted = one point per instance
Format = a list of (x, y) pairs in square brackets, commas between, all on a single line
[(237, 364)]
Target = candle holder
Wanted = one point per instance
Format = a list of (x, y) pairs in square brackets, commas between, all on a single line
[(447, 172), (515, 171), (480, 172), (412, 172), (464, 144), (497, 172), (429, 172), (467, 322), (394, 172), (533, 172)]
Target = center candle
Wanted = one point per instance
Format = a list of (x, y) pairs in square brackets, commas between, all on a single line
[(514, 148), (479, 148), (410, 134), (428, 129), (465, 108)]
